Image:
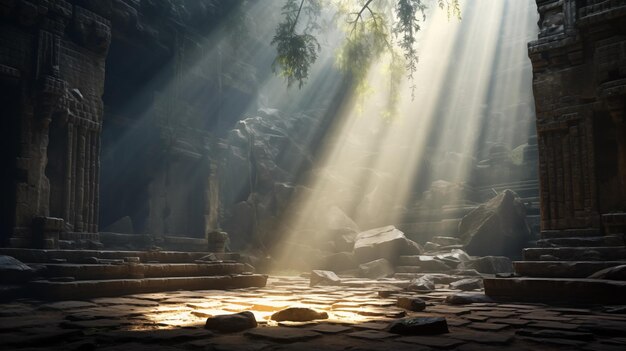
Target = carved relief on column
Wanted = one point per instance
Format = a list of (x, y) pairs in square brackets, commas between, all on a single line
[(50, 88), (568, 196), (614, 96), (86, 182), (96, 201), (80, 180), (69, 166)]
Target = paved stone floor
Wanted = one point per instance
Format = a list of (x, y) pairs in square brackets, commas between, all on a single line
[(358, 316)]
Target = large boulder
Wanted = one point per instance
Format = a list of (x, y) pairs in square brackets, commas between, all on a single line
[(386, 242), (496, 228)]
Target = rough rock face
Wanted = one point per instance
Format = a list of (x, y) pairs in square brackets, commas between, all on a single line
[(386, 242), (497, 227)]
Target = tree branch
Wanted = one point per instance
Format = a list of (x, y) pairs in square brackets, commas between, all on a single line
[(293, 27)]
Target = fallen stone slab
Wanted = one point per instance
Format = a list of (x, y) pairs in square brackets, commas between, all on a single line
[(376, 269), (320, 277), (386, 242), (298, 314), (419, 326), (467, 284), (231, 323)]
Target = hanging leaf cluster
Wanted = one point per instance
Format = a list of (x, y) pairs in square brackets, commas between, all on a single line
[(373, 28), (296, 51)]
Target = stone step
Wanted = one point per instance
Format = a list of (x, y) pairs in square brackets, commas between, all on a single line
[(616, 253), (83, 289), (84, 256), (592, 241), (129, 271), (557, 290), (569, 233), (562, 269)]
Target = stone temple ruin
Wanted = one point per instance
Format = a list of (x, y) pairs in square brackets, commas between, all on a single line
[(115, 183)]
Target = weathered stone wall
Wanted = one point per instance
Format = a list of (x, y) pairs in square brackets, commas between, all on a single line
[(164, 98), (52, 64), (579, 63), (65, 117)]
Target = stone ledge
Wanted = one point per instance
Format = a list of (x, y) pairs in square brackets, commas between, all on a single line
[(615, 253), (127, 271), (557, 290), (557, 269), (47, 290), (80, 256)]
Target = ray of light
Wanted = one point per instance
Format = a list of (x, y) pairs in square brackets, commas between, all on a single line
[(369, 166)]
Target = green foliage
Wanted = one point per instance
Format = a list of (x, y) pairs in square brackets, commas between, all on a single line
[(373, 28), (296, 53)]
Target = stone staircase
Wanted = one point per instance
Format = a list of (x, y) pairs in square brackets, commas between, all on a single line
[(63, 274), (423, 224), (558, 270)]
